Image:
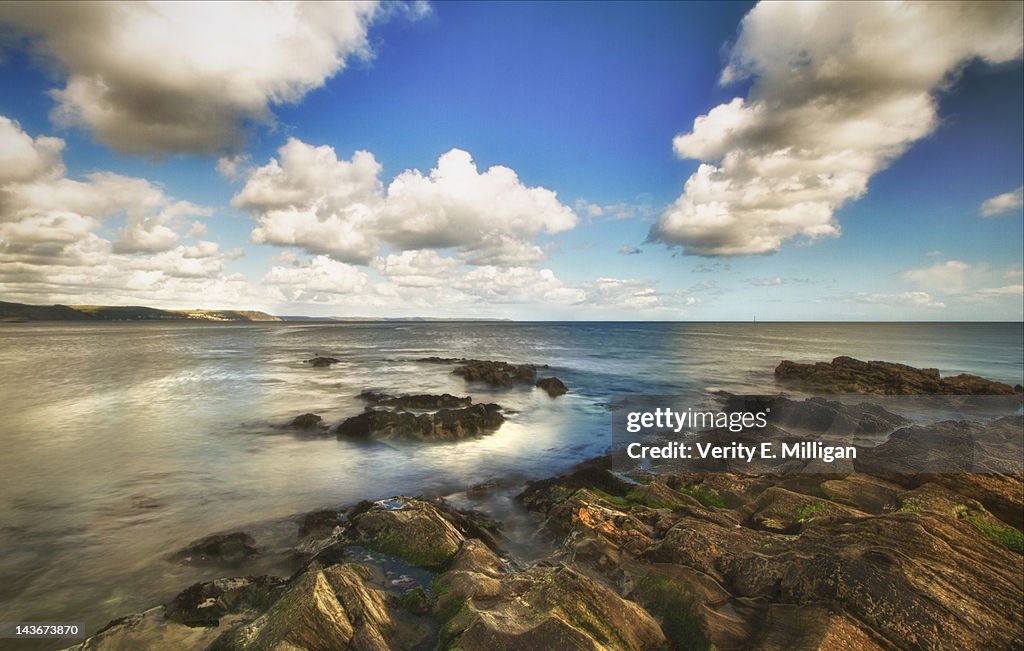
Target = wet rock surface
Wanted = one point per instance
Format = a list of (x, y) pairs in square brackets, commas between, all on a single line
[(849, 375), (496, 373), (227, 549), (442, 425), (553, 386), (306, 422)]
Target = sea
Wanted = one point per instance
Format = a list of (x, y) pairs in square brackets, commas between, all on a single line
[(123, 442)]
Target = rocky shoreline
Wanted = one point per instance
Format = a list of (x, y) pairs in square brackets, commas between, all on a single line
[(874, 559)]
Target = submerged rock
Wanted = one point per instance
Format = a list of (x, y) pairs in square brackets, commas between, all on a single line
[(322, 362), (306, 421), (443, 425), (553, 386), (228, 549), (849, 375)]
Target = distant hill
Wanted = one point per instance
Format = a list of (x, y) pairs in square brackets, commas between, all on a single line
[(23, 312)]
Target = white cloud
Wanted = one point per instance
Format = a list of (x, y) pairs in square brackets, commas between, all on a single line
[(309, 198), (423, 268), (1002, 204), (840, 90), (966, 281), (629, 249), (234, 167), (169, 77), (486, 213), (622, 294), (903, 299), (950, 276), (766, 282), (321, 276), (50, 249), (23, 158)]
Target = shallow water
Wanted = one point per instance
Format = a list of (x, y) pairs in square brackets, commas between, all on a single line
[(122, 442)]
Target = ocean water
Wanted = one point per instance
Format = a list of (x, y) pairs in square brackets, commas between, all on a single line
[(122, 442)]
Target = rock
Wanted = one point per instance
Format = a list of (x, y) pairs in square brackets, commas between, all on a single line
[(817, 414), (322, 362), (318, 522), (496, 373), (443, 425), (328, 608), (553, 386), (872, 564), (417, 401), (848, 375), (306, 421), (551, 608), (475, 556), (417, 532), (204, 604), (864, 492), (152, 630), (949, 447), (228, 549)]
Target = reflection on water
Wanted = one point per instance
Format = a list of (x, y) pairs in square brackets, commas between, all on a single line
[(123, 442)]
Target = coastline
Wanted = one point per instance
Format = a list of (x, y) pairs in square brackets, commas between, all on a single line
[(639, 561)]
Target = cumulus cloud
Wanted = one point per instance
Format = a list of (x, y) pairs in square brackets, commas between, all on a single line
[(1003, 204), (839, 91), (629, 249), (157, 78), (50, 248), (307, 197), (322, 275)]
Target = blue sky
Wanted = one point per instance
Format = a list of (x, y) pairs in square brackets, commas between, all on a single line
[(842, 179)]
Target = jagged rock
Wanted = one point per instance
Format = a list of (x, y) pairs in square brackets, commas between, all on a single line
[(322, 362), (328, 608), (443, 425), (895, 565), (848, 375), (204, 604), (228, 549), (496, 373), (413, 530), (549, 608), (553, 386), (306, 421)]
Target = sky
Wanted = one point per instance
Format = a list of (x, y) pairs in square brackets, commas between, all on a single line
[(536, 161)]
